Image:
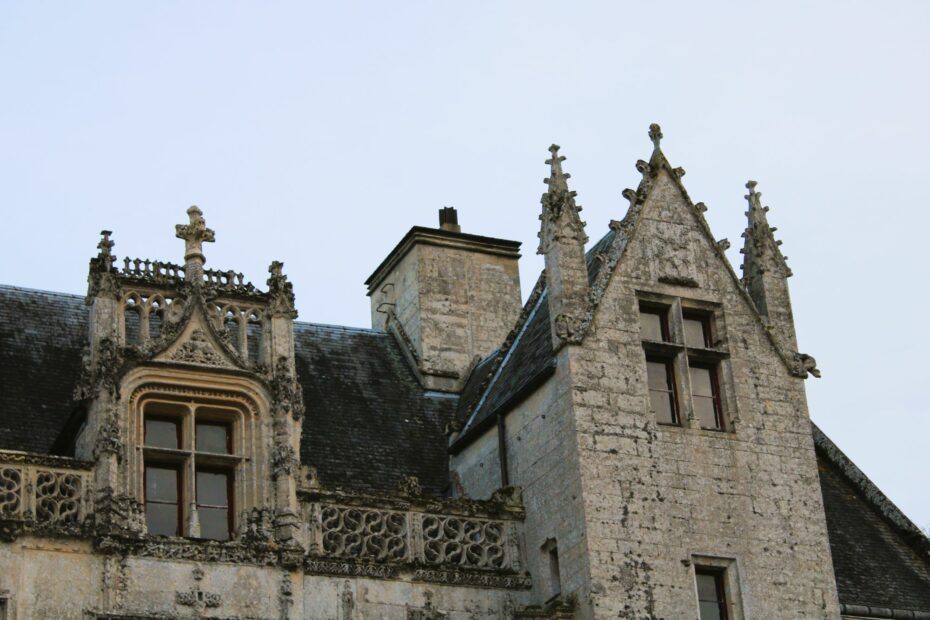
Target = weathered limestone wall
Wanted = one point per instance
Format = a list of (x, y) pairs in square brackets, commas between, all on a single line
[(60, 579), (454, 298), (655, 496), (542, 456)]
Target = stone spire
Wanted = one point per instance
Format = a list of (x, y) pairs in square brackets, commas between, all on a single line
[(194, 234), (561, 241), (766, 272)]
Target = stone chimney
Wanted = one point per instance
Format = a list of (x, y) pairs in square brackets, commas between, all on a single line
[(448, 297)]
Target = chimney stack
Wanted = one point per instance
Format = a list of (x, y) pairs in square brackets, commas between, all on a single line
[(449, 219)]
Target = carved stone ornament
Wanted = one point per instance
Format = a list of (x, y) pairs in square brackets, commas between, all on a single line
[(805, 365), (99, 370), (284, 461), (569, 328), (560, 215), (280, 293), (410, 486), (199, 350), (286, 392)]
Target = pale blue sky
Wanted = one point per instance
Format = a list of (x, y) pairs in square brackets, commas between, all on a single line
[(318, 133)]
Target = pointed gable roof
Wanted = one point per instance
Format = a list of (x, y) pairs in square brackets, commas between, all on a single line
[(520, 364)]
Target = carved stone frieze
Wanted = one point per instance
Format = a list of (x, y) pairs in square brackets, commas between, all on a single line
[(199, 350), (474, 578), (317, 566)]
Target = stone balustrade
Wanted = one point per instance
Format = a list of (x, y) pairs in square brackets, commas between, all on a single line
[(441, 540), (44, 490)]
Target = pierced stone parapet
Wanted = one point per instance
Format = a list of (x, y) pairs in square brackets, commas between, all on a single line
[(152, 272), (442, 540), (44, 491)]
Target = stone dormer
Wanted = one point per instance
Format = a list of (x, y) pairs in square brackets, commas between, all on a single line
[(448, 297)]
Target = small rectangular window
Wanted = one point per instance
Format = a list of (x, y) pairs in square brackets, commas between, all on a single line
[(712, 596), (162, 433), (697, 331), (162, 509), (653, 323), (661, 377), (705, 396), (213, 492)]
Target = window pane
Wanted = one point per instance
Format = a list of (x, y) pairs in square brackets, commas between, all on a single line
[(162, 519), (695, 335), (214, 523), (650, 324), (658, 375), (662, 406), (213, 438), (161, 484), (212, 489), (704, 410), (700, 382), (161, 433), (710, 611)]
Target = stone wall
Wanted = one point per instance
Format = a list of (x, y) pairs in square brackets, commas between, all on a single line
[(659, 499)]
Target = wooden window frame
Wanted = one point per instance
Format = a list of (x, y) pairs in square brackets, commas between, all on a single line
[(662, 312), (670, 381), (705, 319), (187, 460), (178, 468), (720, 583), (713, 370)]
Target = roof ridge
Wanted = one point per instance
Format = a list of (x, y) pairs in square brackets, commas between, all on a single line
[(27, 289), (348, 328)]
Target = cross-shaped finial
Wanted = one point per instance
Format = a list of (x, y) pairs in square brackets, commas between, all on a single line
[(194, 234)]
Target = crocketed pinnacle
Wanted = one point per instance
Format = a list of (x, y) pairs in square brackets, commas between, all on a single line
[(560, 214), (760, 249)]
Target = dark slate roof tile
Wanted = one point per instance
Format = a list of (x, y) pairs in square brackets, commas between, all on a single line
[(873, 562), (368, 421), (42, 339)]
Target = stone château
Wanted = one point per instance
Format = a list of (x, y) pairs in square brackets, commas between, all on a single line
[(631, 442)]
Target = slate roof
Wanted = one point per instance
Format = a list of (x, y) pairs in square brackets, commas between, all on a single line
[(368, 422), (42, 338), (880, 558)]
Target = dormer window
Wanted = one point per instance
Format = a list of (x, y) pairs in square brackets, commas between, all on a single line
[(190, 466)]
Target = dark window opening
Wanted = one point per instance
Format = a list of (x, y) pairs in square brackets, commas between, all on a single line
[(213, 438), (661, 378), (214, 489), (712, 599), (705, 396), (162, 492), (162, 433), (696, 328), (653, 323)]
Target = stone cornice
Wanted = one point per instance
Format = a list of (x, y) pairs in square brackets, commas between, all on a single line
[(441, 238)]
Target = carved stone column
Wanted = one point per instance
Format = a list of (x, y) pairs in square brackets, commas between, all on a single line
[(287, 407)]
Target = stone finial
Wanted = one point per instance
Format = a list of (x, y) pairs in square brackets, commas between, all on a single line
[(194, 234), (557, 179), (105, 258), (655, 134), (280, 292)]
